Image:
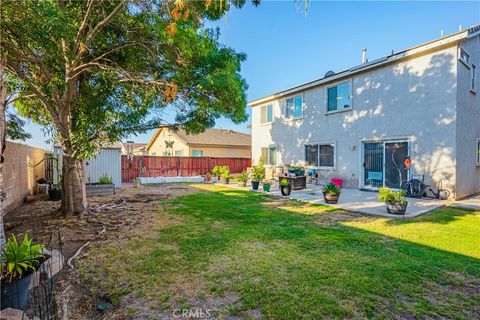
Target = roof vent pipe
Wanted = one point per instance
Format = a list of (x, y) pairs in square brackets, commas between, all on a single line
[(364, 55)]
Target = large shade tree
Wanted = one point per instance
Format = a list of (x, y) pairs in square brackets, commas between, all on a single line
[(95, 71)]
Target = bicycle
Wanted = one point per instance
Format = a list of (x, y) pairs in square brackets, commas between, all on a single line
[(416, 188)]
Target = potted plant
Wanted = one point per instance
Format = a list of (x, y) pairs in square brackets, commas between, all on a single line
[(136, 183), (19, 262), (55, 192), (216, 171), (285, 187), (331, 193), (243, 178), (266, 186), (225, 174), (208, 177), (394, 200), (258, 173)]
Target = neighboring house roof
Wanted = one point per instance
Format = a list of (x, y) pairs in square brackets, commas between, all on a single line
[(332, 76), (213, 137), (134, 145)]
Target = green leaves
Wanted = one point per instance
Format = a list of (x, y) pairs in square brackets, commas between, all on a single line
[(99, 71), (16, 259)]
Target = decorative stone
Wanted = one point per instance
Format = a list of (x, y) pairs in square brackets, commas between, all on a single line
[(12, 314)]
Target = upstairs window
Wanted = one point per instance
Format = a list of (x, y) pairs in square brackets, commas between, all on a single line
[(266, 114), (474, 75), (464, 57), (338, 97), (294, 107), (320, 155), (478, 151), (269, 155)]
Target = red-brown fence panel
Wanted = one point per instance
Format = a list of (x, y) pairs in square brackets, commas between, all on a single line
[(156, 166)]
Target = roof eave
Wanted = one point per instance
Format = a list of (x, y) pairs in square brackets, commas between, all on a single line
[(438, 43)]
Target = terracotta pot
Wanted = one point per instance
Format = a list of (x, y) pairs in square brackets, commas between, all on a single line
[(331, 198), (29, 198)]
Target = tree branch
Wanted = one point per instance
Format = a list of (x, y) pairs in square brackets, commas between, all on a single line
[(103, 23)]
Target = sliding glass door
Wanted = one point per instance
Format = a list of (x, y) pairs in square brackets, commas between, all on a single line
[(395, 170), (383, 164)]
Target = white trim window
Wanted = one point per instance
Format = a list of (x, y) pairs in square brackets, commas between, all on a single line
[(266, 114), (178, 153), (339, 97), (473, 73), (197, 153), (464, 57), (269, 155), (294, 107), (320, 155)]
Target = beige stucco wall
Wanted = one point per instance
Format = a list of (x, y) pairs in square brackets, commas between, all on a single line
[(158, 148), (468, 115), (222, 152), (20, 179), (413, 99)]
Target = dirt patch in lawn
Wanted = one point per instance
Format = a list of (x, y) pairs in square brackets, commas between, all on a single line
[(116, 218)]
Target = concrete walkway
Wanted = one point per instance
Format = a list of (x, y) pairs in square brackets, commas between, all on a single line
[(356, 200), (468, 203)]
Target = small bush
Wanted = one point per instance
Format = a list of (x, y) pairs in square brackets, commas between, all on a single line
[(105, 179), (331, 188), (390, 196), (284, 183), (258, 171), (243, 177)]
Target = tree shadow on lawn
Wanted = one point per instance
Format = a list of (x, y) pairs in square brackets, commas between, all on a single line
[(284, 265)]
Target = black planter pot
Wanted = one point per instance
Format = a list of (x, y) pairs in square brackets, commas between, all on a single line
[(15, 294), (55, 194), (286, 190), (396, 207), (331, 198), (255, 185), (224, 180)]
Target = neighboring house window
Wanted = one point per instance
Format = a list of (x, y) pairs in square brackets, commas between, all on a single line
[(266, 114), (320, 155), (269, 155), (474, 75), (178, 153), (197, 153), (338, 97), (294, 107), (153, 153), (464, 57)]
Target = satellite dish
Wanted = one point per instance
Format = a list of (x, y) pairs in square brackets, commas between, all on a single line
[(329, 74)]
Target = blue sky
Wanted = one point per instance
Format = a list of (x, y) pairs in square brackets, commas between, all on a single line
[(285, 47)]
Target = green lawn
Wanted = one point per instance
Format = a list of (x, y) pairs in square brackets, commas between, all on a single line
[(248, 255)]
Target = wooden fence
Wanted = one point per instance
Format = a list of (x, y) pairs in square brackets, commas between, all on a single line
[(155, 166)]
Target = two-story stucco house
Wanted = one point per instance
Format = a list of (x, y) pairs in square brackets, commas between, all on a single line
[(361, 124)]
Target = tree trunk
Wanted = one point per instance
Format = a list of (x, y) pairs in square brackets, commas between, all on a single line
[(74, 196), (3, 97)]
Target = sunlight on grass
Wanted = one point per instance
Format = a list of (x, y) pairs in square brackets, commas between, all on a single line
[(450, 229)]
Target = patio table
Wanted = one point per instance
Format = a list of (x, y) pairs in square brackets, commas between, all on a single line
[(297, 183)]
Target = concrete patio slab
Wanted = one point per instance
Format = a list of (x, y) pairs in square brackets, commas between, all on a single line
[(468, 203), (357, 200)]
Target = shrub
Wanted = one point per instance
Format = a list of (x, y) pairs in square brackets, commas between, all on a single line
[(243, 177), (390, 196), (225, 171), (16, 259), (105, 179), (258, 171), (331, 188), (284, 183)]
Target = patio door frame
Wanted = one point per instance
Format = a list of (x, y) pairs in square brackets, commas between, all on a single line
[(361, 183)]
